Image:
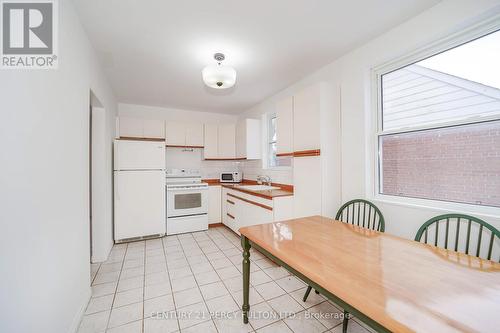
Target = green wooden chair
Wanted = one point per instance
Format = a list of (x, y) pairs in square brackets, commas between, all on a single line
[(362, 213), (461, 233)]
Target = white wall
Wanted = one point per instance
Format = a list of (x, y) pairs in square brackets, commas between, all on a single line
[(102, 186), (154, 112), (352, 73), (44, 200), (180, 158)]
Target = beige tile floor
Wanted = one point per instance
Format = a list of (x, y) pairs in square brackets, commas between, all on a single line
[(193, 283)]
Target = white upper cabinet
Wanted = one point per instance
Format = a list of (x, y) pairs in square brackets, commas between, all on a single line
[(211, 136), (248, 139), (227, 141), (284, 126), (130, 127), (184, 134), (194, 134), (154, 128), (241, 131), (306, 119), (141, 128), (175, 133)]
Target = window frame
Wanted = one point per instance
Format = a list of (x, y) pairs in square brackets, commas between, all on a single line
[(269, 138), (266, 143), (374, 180)]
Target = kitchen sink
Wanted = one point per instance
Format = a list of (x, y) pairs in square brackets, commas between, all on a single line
[(258, 187)]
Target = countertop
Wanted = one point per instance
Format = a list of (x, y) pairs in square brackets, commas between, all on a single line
[(284, 191)]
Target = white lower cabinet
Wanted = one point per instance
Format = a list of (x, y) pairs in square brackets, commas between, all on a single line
[(251, 214), (229, 210), (214, 204), (241, 209)]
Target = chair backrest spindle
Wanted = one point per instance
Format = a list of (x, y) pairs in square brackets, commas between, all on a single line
[(361, 217), (473, 235)]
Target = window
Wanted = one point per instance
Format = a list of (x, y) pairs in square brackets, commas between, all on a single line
[(272, 160), (439, 128), (271, 139)]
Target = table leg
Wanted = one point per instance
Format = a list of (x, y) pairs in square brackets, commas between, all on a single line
[(345, 322), (246, 277)]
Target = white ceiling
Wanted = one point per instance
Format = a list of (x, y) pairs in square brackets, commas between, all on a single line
[(153, 51)]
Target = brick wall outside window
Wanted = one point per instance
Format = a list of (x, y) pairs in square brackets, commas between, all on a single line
[(459, 164)]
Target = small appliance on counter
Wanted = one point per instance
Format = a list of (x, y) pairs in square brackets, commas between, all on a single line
[(187, 201), (231, 177)]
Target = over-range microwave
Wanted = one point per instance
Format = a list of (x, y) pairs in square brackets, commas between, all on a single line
[(231, 177)]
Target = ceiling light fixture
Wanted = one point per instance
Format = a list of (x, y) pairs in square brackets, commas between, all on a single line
[(219, 76)]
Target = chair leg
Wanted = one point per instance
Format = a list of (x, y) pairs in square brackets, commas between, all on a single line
[(345, 322), (309, 288)]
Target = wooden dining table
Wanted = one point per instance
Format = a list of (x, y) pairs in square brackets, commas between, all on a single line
[(389, 283)]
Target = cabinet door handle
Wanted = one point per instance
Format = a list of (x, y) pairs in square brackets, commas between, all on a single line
[(231, 202), (231, 216)]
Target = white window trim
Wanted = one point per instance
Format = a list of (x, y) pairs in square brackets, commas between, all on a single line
[(484, 27), (265, 145), (269, 117)]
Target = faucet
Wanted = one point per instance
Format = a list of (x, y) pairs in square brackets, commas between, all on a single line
[(261, 179)]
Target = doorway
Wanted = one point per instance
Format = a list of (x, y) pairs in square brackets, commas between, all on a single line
[(98, 163)]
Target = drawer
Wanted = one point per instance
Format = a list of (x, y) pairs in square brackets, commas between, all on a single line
[(231, 194), (231, 206)]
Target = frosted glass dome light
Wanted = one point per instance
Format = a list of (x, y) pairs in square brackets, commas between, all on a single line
[(219, 76)]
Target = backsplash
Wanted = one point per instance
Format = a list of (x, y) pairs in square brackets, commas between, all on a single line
[(251, 169), (192, 158)]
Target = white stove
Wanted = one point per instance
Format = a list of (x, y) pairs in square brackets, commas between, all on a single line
[(187, 201)]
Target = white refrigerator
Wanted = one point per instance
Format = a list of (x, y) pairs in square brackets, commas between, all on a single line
[(139, 189)]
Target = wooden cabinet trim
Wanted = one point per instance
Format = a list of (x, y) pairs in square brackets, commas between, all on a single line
[(284, 154), (226, 159), (283, 187), (133, 138), (305, 153), (251, 202), (212, 181)]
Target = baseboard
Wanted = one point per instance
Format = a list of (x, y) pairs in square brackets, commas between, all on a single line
[(102, 258), (81, 311), (215, 225)]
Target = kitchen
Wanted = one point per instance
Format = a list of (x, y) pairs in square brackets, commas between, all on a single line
[(209, 167), (284, 166)]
